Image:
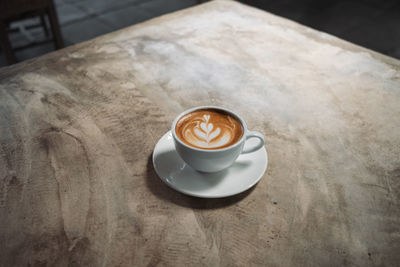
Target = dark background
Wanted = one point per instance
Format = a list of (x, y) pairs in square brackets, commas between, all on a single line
[(374, 24), (370, 23)]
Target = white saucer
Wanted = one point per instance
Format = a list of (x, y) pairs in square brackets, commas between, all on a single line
[(242, 175)]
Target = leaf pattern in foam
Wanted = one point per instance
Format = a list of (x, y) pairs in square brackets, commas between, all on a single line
[(214, 134), (204, 131), (200, 134), (209, 128), (203, 126)]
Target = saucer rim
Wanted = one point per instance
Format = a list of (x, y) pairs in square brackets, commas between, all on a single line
[(208, 196)]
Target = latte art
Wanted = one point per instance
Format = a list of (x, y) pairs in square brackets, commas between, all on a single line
[(209, 129), (204, 133)]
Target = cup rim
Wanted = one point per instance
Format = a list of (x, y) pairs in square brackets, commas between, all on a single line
[(240, 141)]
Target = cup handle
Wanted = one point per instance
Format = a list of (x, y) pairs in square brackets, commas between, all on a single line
[(260, 144)]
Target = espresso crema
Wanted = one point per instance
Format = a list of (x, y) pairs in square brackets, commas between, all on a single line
[(209, 129)]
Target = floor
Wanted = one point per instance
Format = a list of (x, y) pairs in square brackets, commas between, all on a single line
[(374, 24)]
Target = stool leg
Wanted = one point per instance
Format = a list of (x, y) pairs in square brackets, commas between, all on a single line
[(55, 27), (44, 25), (5, 43)]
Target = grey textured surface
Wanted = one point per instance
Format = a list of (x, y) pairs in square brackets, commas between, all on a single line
[(78, 127)]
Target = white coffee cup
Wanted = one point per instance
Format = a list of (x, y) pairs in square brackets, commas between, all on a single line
[(206, 160)]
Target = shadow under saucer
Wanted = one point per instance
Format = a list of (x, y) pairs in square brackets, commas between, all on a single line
[(164, 192)]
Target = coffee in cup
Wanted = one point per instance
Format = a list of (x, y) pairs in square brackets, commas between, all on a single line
[(210, 139), (209, 129)]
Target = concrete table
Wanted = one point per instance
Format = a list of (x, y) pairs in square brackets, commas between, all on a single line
[(78, 127)]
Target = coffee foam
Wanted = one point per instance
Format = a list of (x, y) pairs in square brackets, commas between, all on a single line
[(209, 129)]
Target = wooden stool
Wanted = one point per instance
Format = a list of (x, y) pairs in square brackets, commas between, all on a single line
[(13, 10)]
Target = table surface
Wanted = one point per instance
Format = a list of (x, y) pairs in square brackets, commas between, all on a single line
[(78, 127)]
